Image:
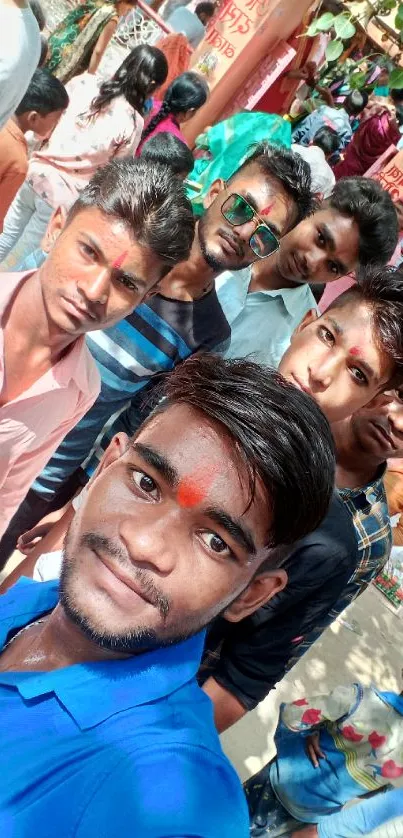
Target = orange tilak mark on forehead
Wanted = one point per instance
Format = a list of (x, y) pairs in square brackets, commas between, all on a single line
[(193, 489), (267, 210), (355, 350), (189, 494), (120, 259)]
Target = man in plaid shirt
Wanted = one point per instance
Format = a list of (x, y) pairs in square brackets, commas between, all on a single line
[(328, 569)]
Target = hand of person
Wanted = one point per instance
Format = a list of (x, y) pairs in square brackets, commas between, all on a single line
[(29, 539), (310, 831), (313, 750)]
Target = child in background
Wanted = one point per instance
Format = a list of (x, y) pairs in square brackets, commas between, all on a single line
[(184, 97), (39, 112), (169, 150), (103, 121)]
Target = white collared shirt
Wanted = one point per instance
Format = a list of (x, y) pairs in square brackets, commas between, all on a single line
[(261, 322)]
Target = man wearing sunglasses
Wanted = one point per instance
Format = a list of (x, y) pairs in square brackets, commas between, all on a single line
[(244, 220), (264, 303)]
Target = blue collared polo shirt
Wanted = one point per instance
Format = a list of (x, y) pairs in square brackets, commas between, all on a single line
[(118, 748)]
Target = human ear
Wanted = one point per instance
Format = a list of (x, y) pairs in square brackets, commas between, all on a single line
[(53, 230), (116, 448), (262, 588), (216, 187), (308, 318)]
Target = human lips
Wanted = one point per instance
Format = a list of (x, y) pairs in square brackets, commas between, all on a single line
[(78, 311), (383, 435), (298, 266), (300, 384), (231, 244), (127, 580)]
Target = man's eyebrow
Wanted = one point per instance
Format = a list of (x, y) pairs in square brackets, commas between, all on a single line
[(267, 221), (330, 241), (363, 364), (158, 462), (336, 325), (238, 531), (121, 274)]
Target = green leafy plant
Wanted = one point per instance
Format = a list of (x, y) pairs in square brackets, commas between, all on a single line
[(342, 27)]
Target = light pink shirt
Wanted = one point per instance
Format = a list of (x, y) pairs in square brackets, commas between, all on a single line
[(80, 146), (33, 425)]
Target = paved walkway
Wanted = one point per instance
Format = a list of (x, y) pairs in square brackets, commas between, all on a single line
[(371, 653)]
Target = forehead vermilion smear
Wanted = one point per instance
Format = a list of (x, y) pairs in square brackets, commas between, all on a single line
[(120, 259), (193, 488), (267, 210), (355, 350)]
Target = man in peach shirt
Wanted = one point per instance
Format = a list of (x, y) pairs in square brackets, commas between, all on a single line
[(129, 224)]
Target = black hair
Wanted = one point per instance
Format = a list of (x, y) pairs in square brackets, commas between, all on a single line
[(45, 94), (38, 13), (355, 102), (399, 113), (205, 8), (382, 291), (396, 95), (290, 170), (372, 208), (327, 139), (170, 151), (278, 432), (149, 199), (188, 91), (144, 69)]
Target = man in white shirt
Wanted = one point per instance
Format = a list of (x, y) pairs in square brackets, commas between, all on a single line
[(265, 303), (20, 47)]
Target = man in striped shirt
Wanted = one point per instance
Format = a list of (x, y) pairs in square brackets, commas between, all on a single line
[(184, 318)]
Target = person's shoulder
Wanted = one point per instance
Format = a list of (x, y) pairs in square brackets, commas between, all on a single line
[(170, 788), (335, 536)]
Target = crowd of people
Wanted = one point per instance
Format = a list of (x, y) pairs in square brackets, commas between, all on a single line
[(193, 444)]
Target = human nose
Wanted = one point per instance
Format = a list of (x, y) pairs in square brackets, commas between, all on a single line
[(321, 372), (149, 544), (314, 260), (246, 230), (95, 287)]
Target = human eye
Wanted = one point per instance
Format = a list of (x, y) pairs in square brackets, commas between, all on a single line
[(326, 335), (216, 544), (321, 238), (145, 483), (334, 268), (359, 375), (87, 250), (128, 283)]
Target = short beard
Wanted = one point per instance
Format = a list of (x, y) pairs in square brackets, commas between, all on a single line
[(208, 257), (138, 639)]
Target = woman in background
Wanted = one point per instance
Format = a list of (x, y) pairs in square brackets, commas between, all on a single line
[(184, 97), (80, 40), (104, 120)]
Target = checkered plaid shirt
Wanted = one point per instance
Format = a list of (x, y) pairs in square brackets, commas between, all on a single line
[(369, 511)]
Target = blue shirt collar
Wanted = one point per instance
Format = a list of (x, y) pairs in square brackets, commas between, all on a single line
[(92, 692), (237, 283)]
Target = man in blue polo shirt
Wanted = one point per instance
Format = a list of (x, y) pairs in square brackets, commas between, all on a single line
[(104, 731)]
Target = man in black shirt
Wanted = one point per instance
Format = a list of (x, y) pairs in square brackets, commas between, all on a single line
[(333, 565)]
